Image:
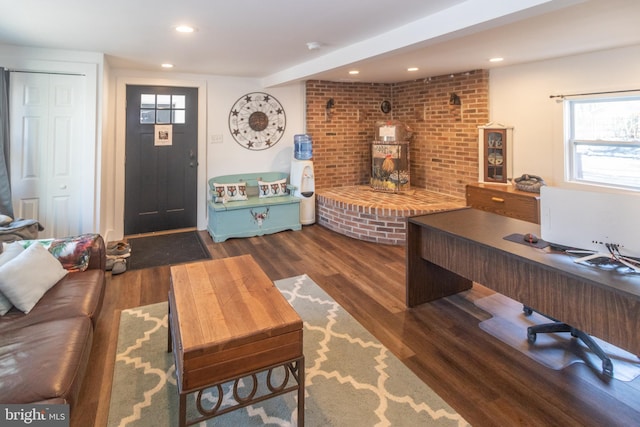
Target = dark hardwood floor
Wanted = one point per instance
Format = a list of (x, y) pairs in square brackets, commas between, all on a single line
[(486, 381)]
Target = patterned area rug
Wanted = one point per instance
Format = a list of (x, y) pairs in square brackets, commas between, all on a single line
[(351, 379)]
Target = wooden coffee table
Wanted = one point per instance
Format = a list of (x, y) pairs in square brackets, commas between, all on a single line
[(228, 321)]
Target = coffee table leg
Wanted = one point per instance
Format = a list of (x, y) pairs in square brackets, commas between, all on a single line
[(301, 392), (169, 340), (182, 411)]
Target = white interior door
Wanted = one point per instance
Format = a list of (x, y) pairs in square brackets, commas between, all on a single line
[(47, 151)]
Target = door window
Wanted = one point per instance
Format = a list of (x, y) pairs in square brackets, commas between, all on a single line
[(162, 109)]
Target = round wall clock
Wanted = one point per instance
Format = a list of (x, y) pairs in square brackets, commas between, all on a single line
[(257, 121)]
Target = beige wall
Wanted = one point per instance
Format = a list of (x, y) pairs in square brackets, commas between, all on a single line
[(216, 95), (519, 96)]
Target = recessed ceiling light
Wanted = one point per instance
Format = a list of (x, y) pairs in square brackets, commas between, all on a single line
[(411, 69), (496, 59), (167, 65), (314, 45), (185, 29), (354, 72)]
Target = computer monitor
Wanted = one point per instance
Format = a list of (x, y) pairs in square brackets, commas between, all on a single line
[(591, 221)]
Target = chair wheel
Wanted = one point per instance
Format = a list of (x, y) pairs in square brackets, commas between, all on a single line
[(527, 310), (607, 368), (531, 337)]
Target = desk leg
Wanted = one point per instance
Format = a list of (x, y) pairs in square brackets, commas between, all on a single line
[(426, 281)]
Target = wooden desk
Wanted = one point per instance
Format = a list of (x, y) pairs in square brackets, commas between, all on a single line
[(448, 251), (228, 321)]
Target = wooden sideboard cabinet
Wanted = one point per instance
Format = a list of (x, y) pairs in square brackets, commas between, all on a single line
[(504, 200)]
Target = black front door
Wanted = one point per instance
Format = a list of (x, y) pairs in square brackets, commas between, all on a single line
[(161, 159)]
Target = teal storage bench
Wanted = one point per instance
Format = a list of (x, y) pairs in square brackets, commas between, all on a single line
[(236, 209)]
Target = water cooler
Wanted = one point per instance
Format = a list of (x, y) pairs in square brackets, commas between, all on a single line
[(302, 177)]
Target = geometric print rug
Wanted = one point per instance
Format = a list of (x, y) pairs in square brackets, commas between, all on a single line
[(351, 379)]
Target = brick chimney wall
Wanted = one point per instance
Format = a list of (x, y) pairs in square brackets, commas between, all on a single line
[(341, 136), (444, 147)]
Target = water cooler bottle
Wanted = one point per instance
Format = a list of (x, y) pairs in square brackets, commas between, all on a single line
[(302, 177)]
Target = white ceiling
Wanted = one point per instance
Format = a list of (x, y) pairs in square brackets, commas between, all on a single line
[(268, 39)]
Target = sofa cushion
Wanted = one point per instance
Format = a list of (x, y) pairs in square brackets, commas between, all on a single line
[(26, 278), (255, 202), (77, 294), (272, 188), (229, 192), (73, 252), (5, 304), (43, 362), (9, 252)]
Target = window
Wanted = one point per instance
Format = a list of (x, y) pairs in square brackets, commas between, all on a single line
[(603, 142), (162, 109)]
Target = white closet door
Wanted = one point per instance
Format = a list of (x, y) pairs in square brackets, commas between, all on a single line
[(47, 151)]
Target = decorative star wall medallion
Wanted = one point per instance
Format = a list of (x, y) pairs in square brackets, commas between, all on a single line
[(257, 121)]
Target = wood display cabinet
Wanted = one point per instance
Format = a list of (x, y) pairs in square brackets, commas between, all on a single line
[(495, 154)]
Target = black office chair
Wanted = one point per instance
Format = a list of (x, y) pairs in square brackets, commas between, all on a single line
[(558, 326)]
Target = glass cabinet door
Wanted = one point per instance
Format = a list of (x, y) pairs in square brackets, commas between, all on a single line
[(495, 155)]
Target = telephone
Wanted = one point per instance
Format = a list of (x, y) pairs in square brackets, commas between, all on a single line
[(529, 183)]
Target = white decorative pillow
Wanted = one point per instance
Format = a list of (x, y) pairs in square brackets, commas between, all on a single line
[(229, 192), (9, 252), (26, 278), (5, 305), (272, 188)]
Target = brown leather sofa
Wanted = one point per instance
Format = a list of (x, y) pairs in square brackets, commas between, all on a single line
[(44, 354)]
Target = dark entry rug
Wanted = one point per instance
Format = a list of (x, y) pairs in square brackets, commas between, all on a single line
[(166, 249)]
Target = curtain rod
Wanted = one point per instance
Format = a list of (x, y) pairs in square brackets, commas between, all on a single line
[(594, 93), (45, 72)]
